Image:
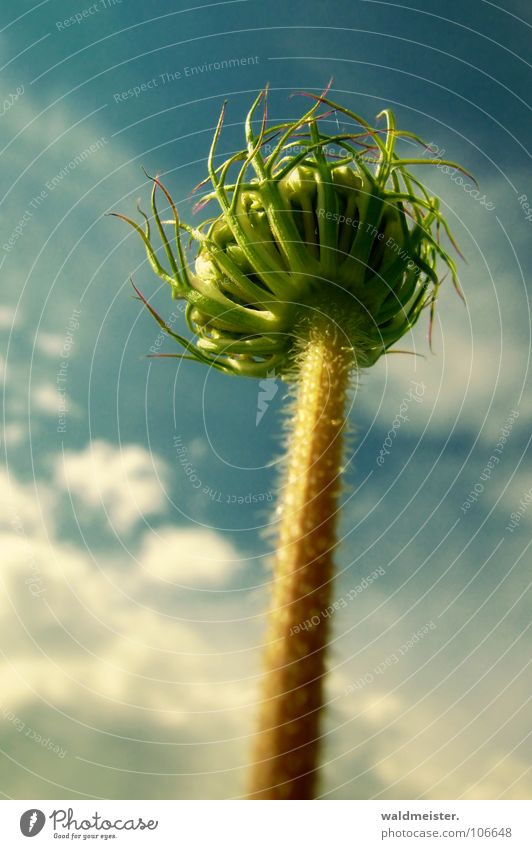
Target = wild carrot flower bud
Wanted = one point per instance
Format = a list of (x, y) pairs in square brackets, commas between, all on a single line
[(321, 255), (334, 223)]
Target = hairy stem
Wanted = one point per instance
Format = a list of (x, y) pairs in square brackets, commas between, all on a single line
[(288, 740)]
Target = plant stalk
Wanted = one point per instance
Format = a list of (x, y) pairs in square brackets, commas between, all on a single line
[(285, 763)]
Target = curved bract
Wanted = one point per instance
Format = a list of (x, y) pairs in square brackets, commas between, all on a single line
[(305, 221)]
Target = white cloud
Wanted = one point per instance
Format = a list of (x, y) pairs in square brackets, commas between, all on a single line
[(191, 557), (7, 317), (91, 641), (22, 506), (13, 433), (124, 481), (475, 376), (90, 654), (46, 399), (50, 344), (92, 633), (85, 649)]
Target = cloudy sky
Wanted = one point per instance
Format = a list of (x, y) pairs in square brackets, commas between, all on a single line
[(136, 494)]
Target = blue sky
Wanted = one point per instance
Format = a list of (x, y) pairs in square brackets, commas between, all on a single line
[(135, 576)]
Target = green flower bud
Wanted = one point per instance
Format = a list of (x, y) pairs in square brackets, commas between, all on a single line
[(331, 223)]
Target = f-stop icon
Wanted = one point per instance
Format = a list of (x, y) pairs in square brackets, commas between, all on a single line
[(32, 822)]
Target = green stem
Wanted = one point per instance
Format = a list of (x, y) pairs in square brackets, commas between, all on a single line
[(288, 740)]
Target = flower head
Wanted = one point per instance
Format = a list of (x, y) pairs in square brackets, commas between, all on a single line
[(305, 221)]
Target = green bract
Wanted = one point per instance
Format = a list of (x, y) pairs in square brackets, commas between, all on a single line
[(308, 221)]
